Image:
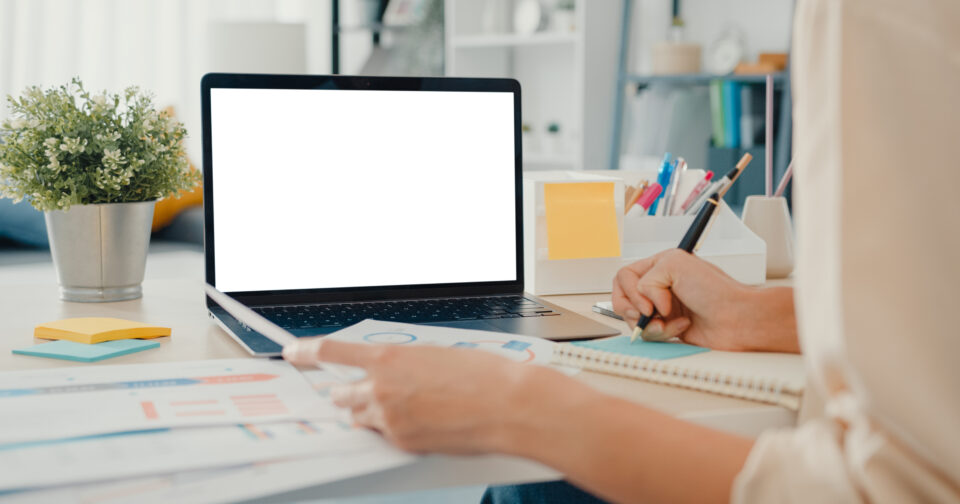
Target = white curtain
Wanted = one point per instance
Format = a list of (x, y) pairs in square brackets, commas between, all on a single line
[(159, 45)]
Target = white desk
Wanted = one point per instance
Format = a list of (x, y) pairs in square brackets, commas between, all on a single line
[(173, 297)]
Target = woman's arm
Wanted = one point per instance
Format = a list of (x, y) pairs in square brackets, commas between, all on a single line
[(460, 401), (617, 449), (450, 400)]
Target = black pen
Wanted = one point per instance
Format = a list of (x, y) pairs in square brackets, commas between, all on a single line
[(695, 232)]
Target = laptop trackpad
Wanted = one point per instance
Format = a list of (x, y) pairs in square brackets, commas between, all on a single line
[(479, 325)]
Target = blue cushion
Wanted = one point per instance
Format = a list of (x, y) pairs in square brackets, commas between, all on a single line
[(22, 224)]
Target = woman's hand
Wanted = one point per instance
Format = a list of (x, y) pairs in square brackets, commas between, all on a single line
[(701, 305), (463, 401), (429, 399)]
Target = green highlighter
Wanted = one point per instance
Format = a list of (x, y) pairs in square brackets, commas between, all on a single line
[(81, 352)]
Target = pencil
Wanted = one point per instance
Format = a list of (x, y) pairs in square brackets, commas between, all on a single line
[(784, 180), (768, 138), (636, 196)]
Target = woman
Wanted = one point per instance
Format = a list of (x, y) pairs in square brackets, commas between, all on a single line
[(877, 117)]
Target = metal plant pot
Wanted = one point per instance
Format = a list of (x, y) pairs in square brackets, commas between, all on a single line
[(100, 251)]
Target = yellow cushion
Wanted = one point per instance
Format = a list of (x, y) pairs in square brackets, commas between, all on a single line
[(167, 209)]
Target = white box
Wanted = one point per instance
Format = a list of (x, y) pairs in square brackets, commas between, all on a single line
[(563, 276), (729, 244)]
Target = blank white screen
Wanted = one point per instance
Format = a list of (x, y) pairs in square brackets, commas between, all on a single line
[(336, 188)]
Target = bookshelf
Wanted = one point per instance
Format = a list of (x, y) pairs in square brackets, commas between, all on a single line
[(514, 40), (701, 78), (565, 74)]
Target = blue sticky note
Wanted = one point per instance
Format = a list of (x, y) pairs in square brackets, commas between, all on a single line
[(657, 350), (516, 345), (81, 352)]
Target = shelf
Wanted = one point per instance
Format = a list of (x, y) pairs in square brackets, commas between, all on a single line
[(513, 40), (371, 27), (702, 78), (543, 159)]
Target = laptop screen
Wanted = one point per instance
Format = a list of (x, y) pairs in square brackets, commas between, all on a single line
[(331, 188)]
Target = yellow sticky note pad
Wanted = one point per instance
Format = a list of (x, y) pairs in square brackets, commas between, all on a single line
[(581, 220), (96, 330)]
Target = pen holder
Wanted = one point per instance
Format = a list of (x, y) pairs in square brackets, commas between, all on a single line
[(727, 244), (769, 218)]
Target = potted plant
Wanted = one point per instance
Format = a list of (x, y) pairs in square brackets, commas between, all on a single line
[(95, 164)]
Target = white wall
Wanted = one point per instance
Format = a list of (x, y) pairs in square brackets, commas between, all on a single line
[(159, 45)]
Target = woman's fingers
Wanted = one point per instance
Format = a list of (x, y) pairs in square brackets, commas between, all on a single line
[(354, 395), (370, 417), (643, 285), (303, 352), (660, 330), (654, 331), (658, 283), (658, 293), (312, 351), (627, 301)]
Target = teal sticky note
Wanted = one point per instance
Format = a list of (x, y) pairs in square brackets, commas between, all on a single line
[(657, 350), (81, 352)]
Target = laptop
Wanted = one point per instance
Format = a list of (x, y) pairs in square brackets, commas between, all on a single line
[(333, 199)]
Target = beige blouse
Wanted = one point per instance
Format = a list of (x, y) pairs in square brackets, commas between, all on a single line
[(877, 207)]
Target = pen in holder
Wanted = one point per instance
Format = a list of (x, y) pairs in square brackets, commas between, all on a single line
[(769, 218)]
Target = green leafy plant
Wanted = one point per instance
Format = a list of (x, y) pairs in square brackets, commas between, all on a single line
[(65, 146)]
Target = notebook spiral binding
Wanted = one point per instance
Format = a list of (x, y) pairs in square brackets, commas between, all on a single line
[(663, 372)]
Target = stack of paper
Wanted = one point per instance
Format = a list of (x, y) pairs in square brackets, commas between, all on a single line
[(204, 431), (80, 425)]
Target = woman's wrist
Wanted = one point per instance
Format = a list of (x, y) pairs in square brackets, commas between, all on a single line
[(540, 409), (770, 322)]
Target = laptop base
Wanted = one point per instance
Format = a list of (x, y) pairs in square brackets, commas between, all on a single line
[(567, 326)]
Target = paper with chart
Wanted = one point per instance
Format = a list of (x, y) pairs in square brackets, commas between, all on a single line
[(164, 451), (239, 424), (246, 482), (70, 402), (525, 349)]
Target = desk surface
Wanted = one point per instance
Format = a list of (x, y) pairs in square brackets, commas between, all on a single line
[(173, 297)]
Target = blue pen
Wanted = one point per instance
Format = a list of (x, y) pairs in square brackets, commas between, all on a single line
[(663, 178)]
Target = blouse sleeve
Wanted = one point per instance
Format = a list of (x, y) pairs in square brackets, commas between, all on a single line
[(796, 465), (827, 460), (877, 276)]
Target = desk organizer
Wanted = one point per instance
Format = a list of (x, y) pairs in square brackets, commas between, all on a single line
[(543, 275), (730, 245)]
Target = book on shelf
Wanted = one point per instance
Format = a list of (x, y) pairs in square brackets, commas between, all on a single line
[(731, 114), (716, 112)]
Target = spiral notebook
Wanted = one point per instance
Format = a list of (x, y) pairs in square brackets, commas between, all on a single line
[(773, 378)]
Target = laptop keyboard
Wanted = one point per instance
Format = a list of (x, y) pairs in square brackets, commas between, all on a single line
[(412, 311)]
